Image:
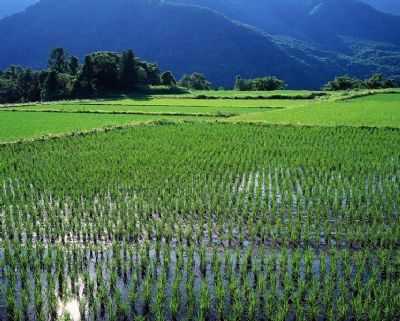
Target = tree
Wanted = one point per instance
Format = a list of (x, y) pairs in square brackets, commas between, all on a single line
[(268, 83), (105, 71), (87, 69), (128, 71), (73, 65), (153, 74), (195, 81), (378, 81), (28, 85), (241, 84), (50, 86), (168, 79), (83, 86), (259, 84), (343, 83), (58, 60), (8, 91)]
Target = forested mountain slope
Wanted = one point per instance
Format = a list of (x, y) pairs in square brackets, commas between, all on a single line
[(181, 38), (306, 43)]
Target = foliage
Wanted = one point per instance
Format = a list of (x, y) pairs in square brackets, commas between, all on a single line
[(259, 84), (196, 81), (101, 73), (168, 79), (376, 81)]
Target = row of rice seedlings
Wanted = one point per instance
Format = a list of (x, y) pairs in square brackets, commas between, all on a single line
[(147, 158), (153, 223), (129, 217), (175, 283)]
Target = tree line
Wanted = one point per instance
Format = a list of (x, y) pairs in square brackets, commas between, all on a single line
[(259, 84), (376, 81), (105, 72), (101, 73)]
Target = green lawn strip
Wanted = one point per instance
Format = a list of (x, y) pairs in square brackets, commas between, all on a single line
[(15, 126), (166, 106), (198, 103), (116, 112), (235, 94), (381, 110)]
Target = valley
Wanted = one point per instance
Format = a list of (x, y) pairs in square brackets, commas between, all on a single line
[(240, 163)]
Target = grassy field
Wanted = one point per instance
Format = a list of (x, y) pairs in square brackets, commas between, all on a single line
[(382, 110), (241, 94), (26, 125), (156, 106), (334, 109), (176, 102)]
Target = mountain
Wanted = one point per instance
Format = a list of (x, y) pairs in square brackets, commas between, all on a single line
[(304, 42), (389, 6), (9, 7), (317, 21), (347, 36), (180, 37)]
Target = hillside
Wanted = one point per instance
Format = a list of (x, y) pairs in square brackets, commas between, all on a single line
[(202, 35), (9, 7), (320, 31), (180, 37), (317, 21), (389, 6)]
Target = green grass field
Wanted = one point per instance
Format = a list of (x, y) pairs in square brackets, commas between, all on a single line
[(382, 110), (157, 106), (176, 102), (334, 109), (26, 125), (240, 94)]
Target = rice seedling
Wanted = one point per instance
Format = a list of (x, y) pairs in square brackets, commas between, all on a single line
[(153, 223)]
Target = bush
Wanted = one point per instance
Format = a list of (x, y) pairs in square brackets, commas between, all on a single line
[(259, 84), (376, 81), (195, 81)]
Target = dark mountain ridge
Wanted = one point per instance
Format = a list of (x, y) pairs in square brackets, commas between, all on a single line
[(342, 36), (304, 42), (180, 37), (9, 7), (317, 21)]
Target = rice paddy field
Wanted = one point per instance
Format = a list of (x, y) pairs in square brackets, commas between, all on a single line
[(220, 213), (381, 110)]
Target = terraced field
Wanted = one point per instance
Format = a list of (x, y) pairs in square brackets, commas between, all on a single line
[(381, 110), (200, 217), (37, 120)]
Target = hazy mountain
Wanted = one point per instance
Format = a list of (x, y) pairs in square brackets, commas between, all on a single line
[(389, 6), (9, 7)]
